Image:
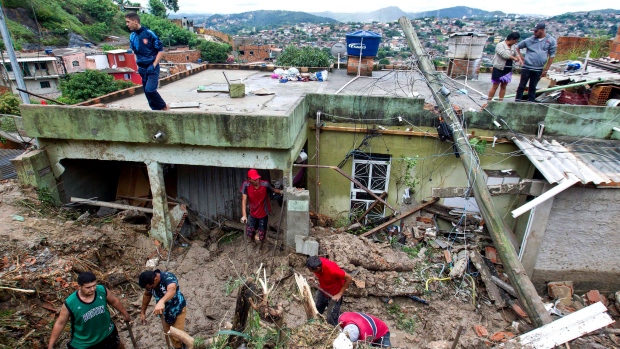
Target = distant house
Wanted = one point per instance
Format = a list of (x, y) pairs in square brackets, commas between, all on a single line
[(40, 72), (123, 65), (73, 60)]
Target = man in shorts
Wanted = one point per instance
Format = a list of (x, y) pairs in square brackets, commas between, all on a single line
[(256, 192)]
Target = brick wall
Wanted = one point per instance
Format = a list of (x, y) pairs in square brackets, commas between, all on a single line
[(365, 66), (614, 52), (224, 37), (254, 53), (459, 68), (182, 56), (567, 44)]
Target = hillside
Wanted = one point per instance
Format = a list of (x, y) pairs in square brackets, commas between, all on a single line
[(258, 20), (393, 13), (456, 12), (55, 22)]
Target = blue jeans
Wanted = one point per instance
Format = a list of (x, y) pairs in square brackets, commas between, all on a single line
[(531, 76), (383, 342), (150, 79)]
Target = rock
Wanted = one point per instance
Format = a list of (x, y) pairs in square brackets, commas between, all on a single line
[(438, 345), (116, 279)]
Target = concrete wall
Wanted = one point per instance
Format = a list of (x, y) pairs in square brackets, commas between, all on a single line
[(79, 57), (581, 242), (34, 86), (182, 56)]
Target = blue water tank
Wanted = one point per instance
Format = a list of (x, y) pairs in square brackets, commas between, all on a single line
[(365, 40), (48, 51), (87, 44), (199, 60)]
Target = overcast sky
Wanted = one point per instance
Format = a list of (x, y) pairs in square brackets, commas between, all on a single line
[(543, 7)]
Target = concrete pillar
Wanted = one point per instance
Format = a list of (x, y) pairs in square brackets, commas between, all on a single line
[(33, 168), (160, 224), (297, 214)]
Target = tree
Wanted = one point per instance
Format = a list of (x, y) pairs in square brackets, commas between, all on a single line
[(384, 61), (168, 32), (89, 84), (172, 5), (102, 11), (157, 8), (212, 51), (304, 57)]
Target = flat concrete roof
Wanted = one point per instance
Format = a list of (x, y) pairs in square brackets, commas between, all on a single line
[(382, 83)]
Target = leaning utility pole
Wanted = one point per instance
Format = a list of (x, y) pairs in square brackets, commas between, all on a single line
[(8, 44), (500, 233)]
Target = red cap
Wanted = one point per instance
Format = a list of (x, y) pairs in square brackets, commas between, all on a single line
[(253, 174)]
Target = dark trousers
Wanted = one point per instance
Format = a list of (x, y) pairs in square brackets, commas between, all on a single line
[(531, 76), (383, 342), (323, 302), (150, 79)]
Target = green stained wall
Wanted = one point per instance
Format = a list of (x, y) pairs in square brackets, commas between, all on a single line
[(437, 167)]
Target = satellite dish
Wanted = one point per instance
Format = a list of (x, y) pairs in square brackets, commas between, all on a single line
[(339, 50)]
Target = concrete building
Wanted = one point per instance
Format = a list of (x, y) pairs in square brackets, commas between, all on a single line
[(123, 65), (41, 73), (73, 60), (370, 130)]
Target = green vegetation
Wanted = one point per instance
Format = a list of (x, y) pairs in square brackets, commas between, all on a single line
[(403, 322), (384, 61), (259, 20), (304, 57), (168, 32), (157, 8), (89, 84), (213, 52)]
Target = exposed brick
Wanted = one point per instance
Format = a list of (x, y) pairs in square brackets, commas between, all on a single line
[(501, 336), (554, 291), (517, 309), (593, 296), (491, 254), (182, 56), (481, 331)]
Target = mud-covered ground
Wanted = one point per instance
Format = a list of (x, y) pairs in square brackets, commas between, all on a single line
[(45, 250)]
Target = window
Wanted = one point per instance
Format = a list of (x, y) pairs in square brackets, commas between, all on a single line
[(373, 172), (121, 58), (242, 53), (8, 67), (187, 58), (40, 66), (25, 69), (45, 84), (251, 53), (75, 63), (127, 76)]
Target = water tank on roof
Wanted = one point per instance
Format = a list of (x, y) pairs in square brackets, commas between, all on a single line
[(48, 51), (365, 41), (87, 45)]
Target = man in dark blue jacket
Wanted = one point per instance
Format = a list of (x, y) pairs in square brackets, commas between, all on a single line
[(149, 51)]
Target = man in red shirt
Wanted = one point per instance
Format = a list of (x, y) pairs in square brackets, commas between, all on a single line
[(365, 328), (257, 192), (333, 281)]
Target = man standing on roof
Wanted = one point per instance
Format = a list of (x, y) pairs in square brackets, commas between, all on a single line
[(365, 328), (149, 51), (538, 58), (91, 323), (257, 192), (170, 301), (333, 281)]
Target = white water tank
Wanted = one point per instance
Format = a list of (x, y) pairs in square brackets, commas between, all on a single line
[(466, 45)]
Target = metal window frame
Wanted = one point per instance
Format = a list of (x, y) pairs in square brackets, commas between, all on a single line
[(354, 190)]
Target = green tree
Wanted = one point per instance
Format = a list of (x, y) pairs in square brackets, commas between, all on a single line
[(304, 57), (213, 52), (168, 32), (172, 5), (102, 11), (89, 84), (157, 8), (384, 61)]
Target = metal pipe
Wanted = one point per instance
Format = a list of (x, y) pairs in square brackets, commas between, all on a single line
[(352, 180), (558, 87), (317, 162), (8, 45)]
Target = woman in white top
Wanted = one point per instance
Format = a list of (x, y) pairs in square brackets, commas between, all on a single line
[(505, 54)]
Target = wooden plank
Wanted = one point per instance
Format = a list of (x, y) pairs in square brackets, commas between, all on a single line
[(570, 327), (383, 196), (111, 205), (404, 215), (180, 105), (492, 289)]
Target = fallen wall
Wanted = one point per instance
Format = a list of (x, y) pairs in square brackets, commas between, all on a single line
[(581, 241)]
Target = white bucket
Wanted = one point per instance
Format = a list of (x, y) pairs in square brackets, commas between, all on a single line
[(302, 157), (613, 103)]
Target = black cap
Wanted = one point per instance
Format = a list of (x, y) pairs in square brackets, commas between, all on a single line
[(540, 26)]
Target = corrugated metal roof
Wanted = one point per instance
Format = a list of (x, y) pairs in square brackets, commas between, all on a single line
[(32, 59), (592, 74), (591, 164), (6, 167), (212, 191)]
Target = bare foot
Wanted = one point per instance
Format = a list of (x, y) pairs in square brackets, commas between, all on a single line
[(167, 107)]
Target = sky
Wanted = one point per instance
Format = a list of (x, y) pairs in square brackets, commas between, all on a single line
[(546, 7)]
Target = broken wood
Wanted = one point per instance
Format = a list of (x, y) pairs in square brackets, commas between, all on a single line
[(110, 205), (189, 341), (507, 287), (305, 292), (566, 329), (492, 289), (382, 196), (531, 187), (266, 312), (242, 310), (16, 289), (397, 218)]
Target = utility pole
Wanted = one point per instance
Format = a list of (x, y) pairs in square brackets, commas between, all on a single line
[(8, 44), (500, 233)]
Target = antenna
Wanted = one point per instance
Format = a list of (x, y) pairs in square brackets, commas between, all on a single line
[(339, 50)]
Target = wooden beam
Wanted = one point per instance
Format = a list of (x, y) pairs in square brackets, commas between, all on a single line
[(383, 196), (401, 133), (397, 218), (492, 289), (110, 205)]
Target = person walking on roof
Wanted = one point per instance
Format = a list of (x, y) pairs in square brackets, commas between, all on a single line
[(538, 58), (256, 192), (333, 281), (505, 56), (149, 51), (170, 301), (91, 323)]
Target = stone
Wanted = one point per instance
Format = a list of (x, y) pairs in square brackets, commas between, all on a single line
[(306, 245), (593, 296), (563, 293), (438, 345), (552, 285)]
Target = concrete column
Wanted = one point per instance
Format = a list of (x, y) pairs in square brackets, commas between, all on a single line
[(537, 225), (33, 168), (160, 224), (297, 214)]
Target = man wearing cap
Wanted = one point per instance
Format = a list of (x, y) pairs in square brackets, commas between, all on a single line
[(365, 328), (538, 58), (257, 192)]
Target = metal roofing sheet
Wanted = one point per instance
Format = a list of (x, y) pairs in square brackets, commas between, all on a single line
[(7, 170), (597, 165)]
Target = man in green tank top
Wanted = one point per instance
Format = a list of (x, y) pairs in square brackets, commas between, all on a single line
[(91, 323)]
